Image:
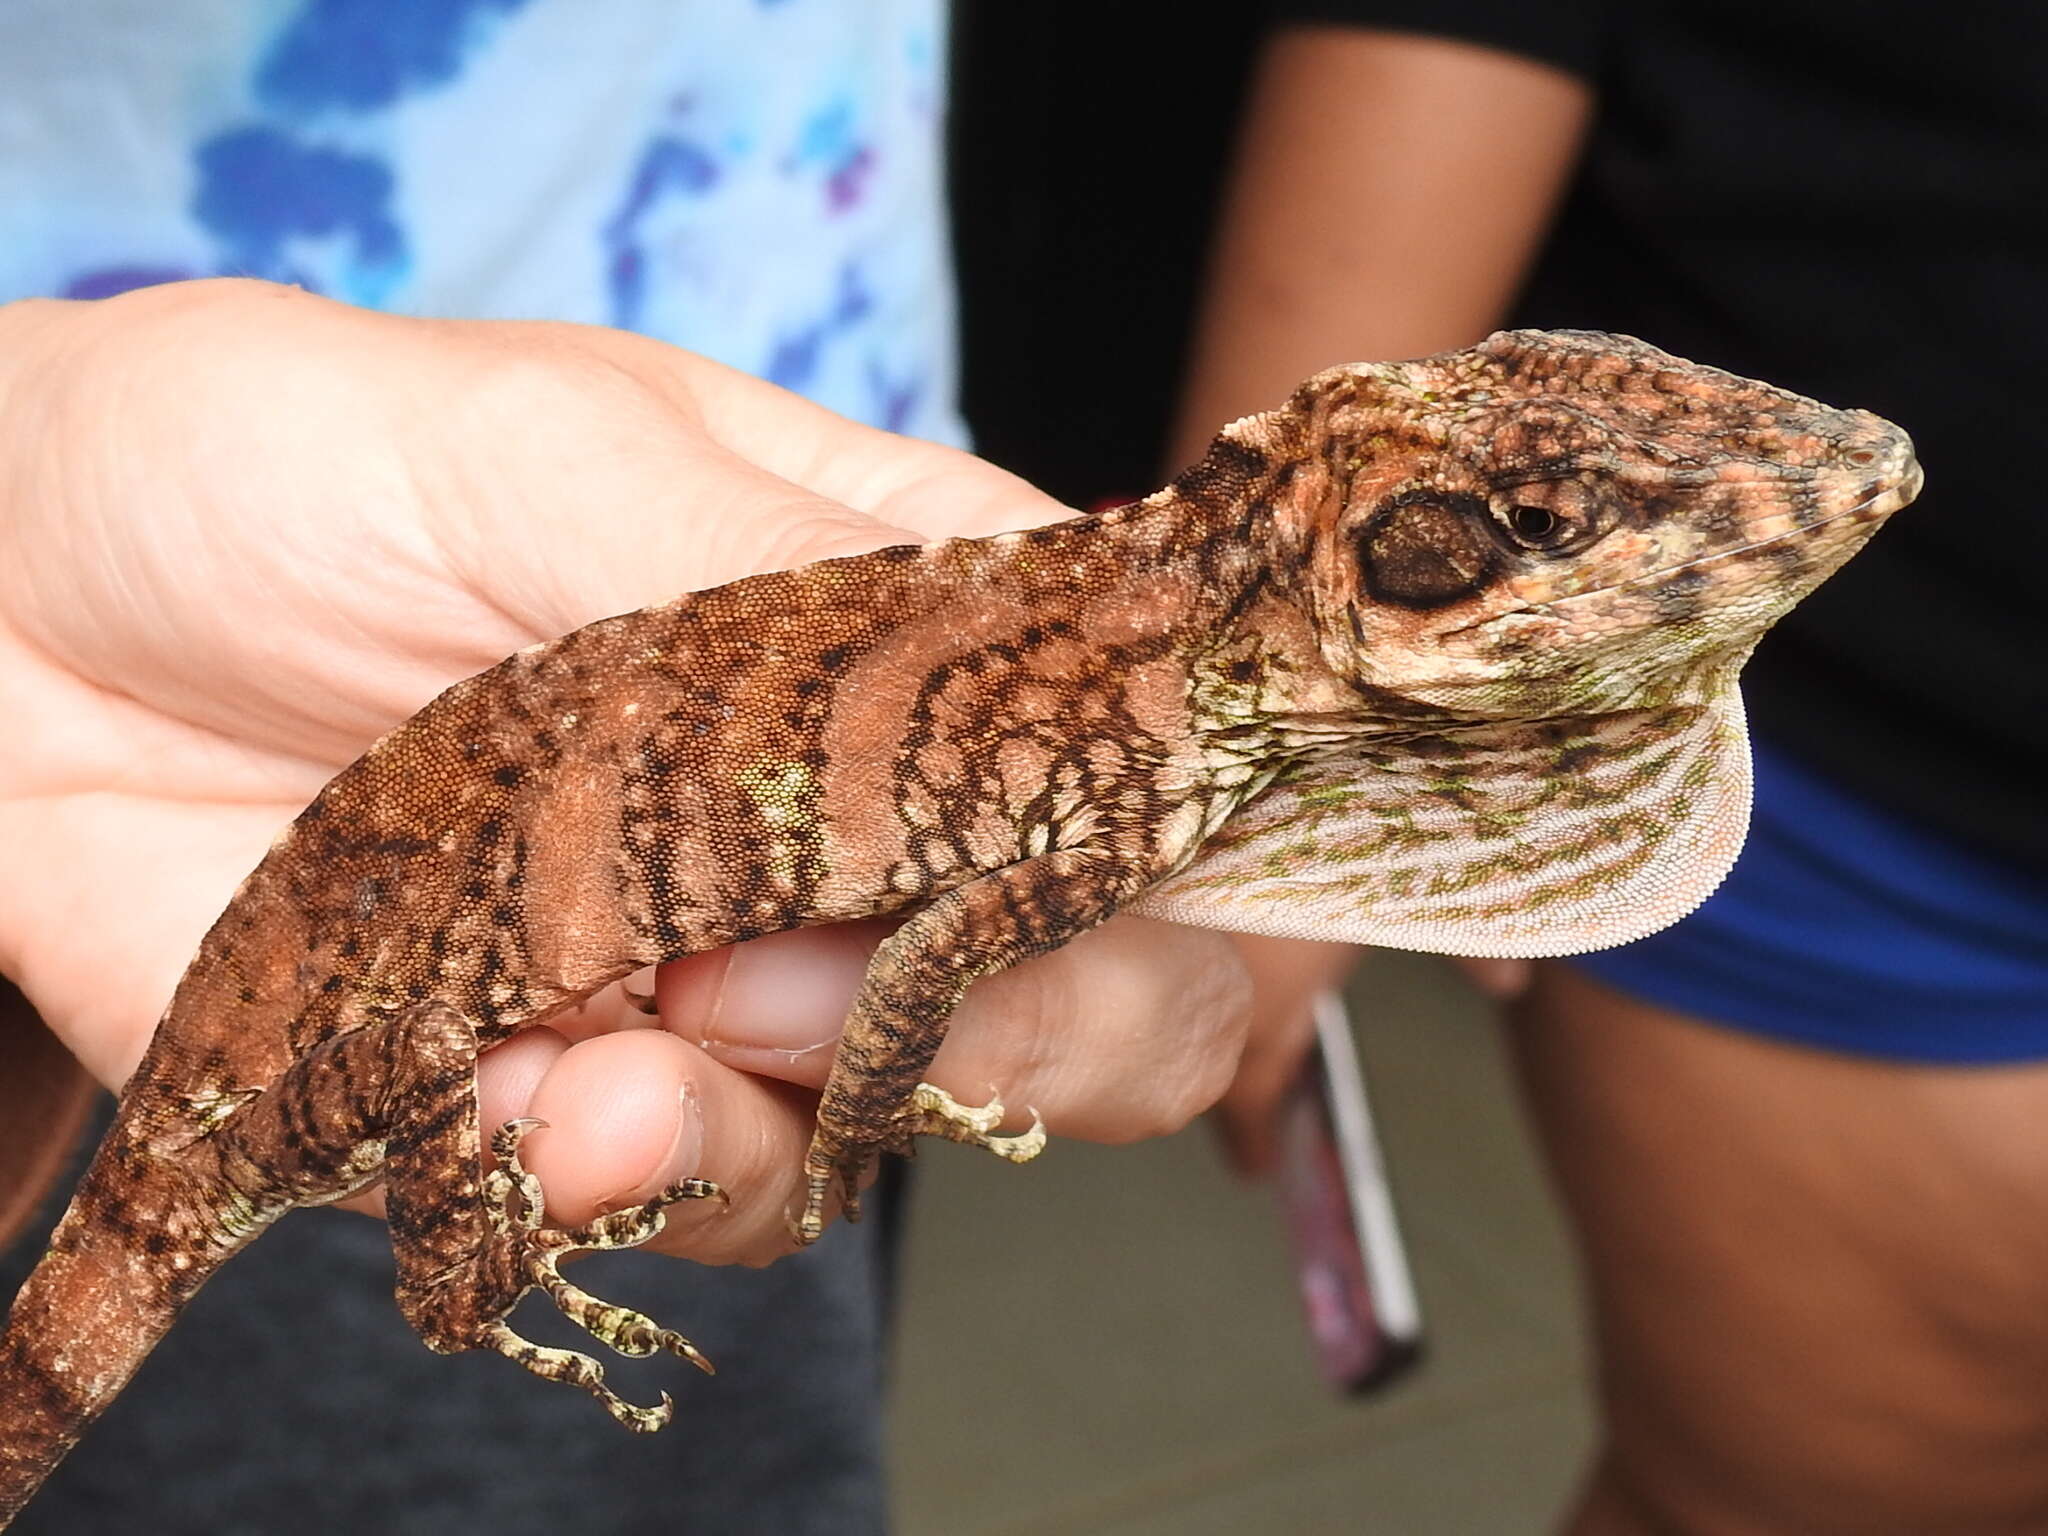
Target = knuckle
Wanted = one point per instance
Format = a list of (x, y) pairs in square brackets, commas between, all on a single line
[(1195, 1002)]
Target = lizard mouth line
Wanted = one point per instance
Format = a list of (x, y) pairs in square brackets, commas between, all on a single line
[(1865, 505)]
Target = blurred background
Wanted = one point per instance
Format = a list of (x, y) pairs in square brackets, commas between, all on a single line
[(1109, 1342), (1086, 153)]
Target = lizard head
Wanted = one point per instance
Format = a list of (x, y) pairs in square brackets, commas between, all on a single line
[(1566, 522)]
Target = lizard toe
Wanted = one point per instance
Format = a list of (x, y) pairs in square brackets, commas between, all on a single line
[(577, 1370), (934, 1112)]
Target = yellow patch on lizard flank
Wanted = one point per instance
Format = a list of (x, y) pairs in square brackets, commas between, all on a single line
[(785, 794)]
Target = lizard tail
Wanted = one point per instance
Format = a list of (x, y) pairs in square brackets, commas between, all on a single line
[(91, 1311)]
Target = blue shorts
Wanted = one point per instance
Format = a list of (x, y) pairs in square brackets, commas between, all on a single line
[(1846, 928)]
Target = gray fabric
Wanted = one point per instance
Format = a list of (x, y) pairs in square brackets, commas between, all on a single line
[(292, 1397)]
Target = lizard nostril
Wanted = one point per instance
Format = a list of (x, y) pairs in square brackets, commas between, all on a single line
[(1861, 457)]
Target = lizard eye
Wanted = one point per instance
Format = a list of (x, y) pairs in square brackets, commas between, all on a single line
[(1547, 517)]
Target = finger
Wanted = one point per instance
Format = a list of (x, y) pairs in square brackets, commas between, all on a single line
[(1502, 980), (1287, 975), (936, 490), (1274, 1054), (1129, 1031), (648, 513), (629, 1113), (625, 1005), (939, 491), (774, 1006)]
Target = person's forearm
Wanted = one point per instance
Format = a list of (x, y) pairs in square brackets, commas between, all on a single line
[(1388, 193)]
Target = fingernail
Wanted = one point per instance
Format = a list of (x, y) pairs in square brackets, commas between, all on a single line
[(689, 993), (786, 994), (685, 1152)]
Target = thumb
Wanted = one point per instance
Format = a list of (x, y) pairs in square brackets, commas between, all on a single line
[(574, 488)]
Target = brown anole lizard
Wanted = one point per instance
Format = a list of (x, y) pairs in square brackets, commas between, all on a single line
[(1440, 654)]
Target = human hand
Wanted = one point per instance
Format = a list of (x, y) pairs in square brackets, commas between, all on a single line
[(249, 530), (1287, 974), (1501, 980)]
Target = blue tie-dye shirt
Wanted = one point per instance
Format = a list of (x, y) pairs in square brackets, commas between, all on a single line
[(758, 180)]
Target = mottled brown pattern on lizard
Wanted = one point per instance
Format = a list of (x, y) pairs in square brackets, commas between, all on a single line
[(1440, 653)]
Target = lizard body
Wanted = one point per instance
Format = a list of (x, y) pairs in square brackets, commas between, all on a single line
[(1439, 654)]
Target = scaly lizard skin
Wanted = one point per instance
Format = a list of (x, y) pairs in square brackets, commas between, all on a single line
[(1440, 654)]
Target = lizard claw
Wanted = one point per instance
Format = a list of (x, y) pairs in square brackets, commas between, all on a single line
[(509, 1188), (935, 1112), (834, 1167), (1023, 1146), (506, 1138), (824, 1172), (643, 1001), (516, 1202)]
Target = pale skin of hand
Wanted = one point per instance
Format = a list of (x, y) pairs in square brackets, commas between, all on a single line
[(247, 530), (1388, 192)]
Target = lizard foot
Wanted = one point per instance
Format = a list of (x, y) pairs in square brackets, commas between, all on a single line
[(515, 1200), (930, 1112), (935, 1112)]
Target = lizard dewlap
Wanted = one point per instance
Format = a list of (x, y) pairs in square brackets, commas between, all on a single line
[(1439, 654)]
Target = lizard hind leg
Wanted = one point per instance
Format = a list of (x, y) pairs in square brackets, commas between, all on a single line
[(513, 1197), (471, 1244)]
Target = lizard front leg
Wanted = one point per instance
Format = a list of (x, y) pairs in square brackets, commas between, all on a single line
[(876, 1099), (398, 1099)]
